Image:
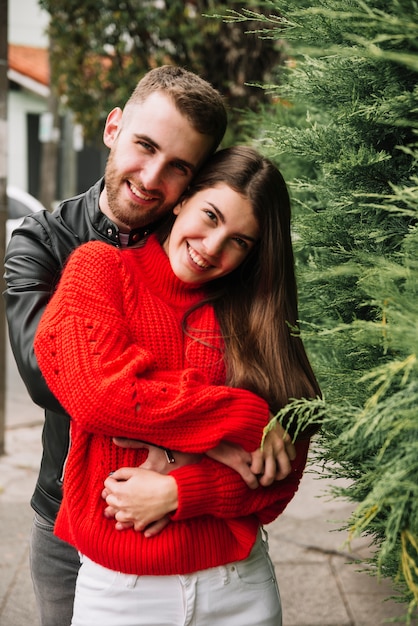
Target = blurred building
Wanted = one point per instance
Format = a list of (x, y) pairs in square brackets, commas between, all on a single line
[(78, 166)]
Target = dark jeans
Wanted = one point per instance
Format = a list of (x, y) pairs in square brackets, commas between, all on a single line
[(54, 566)]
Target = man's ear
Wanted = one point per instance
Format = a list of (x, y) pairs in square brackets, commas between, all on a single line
[(179, 206), (112, 127)]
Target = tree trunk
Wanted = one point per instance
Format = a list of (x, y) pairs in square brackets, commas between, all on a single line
[(3, 207)]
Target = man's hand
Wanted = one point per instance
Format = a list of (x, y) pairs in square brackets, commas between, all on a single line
[(237, 459), (263, 466), (140, 498), (272, 462), (158, 459)]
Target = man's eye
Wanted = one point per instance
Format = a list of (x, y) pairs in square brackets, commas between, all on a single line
[(147, 146), (182, 168)]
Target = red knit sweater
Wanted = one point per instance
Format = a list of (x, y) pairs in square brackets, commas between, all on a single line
[(112, 350)]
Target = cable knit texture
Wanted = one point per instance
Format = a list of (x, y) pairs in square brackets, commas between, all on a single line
[(112, 350)]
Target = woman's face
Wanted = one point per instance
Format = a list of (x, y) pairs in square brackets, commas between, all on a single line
[(214, 231)]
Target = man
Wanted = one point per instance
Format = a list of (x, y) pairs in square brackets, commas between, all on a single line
[(170, 125), (172, 122)]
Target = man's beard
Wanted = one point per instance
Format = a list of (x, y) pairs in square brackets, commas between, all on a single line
[(128, 212)]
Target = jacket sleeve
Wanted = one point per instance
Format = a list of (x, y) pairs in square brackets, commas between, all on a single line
[(32, 269), (109, 384), (225, 494)]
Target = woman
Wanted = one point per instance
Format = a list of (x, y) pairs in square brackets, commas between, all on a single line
[(186, 344)]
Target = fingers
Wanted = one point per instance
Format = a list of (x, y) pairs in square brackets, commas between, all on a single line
[(149, 531), (154, 529), (247, 475), (236, 458), (123, 473), (290, 447), (287, 440), (275, 468), (110, 512), (257, 462), (273, 461), (270, 470), (230, 454), (124, 442), (124, 525)]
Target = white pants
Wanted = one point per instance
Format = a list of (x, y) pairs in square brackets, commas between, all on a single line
[(243, 593)]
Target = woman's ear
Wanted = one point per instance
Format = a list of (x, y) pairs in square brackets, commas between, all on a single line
[(112, 127)]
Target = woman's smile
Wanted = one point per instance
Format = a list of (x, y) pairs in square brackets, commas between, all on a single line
[(197, 259)]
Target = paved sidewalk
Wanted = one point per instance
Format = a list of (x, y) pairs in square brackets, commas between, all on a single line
[(319, 583)]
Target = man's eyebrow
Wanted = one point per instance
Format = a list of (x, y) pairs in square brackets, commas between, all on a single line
[(157, 146), (222, 219)]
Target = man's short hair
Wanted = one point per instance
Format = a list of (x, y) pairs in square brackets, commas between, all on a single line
[(193, 97)]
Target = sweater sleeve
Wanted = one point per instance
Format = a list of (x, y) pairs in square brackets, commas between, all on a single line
[(109, 384), (225, 494)]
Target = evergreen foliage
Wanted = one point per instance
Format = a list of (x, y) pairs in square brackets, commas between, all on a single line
[(353, 66)]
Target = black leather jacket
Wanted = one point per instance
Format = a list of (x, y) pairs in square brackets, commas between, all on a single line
[(34, 260)]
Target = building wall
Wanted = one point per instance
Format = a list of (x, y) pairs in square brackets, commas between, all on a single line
[(26, 26), (20, 103), (27, 23), (76, 170)]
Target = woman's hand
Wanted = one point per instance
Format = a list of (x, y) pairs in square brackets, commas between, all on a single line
[(135, 500), (140, 498)]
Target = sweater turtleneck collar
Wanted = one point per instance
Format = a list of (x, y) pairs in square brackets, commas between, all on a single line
[(159, 276)]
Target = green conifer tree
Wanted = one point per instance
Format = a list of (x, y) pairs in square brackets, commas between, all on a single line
[(354, 68)]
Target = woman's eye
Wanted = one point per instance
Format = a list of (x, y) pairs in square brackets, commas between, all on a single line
[(211, 215), (242, 244)]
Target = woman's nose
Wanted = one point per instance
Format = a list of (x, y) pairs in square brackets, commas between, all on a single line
[(213, 245)]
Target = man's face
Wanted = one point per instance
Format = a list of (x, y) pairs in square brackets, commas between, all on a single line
[(154, 153)]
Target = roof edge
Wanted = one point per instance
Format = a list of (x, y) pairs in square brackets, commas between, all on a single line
[(28, 83)]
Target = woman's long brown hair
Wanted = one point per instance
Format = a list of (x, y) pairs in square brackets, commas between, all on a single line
[(256, 305)]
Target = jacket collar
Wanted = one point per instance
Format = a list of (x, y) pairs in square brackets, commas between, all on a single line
[(106, 227)]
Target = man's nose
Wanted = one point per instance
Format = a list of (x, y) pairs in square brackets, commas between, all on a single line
[(152, 173)]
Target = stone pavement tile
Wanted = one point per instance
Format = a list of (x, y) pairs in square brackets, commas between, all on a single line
[(309, 591), (19, 465), (375, 610), (329, 587), (17, 600), (18, 473), (317, 534), (310, 596), (284, 551), (371, 600)]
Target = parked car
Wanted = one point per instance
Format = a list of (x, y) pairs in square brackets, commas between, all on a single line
[(19, 204)]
